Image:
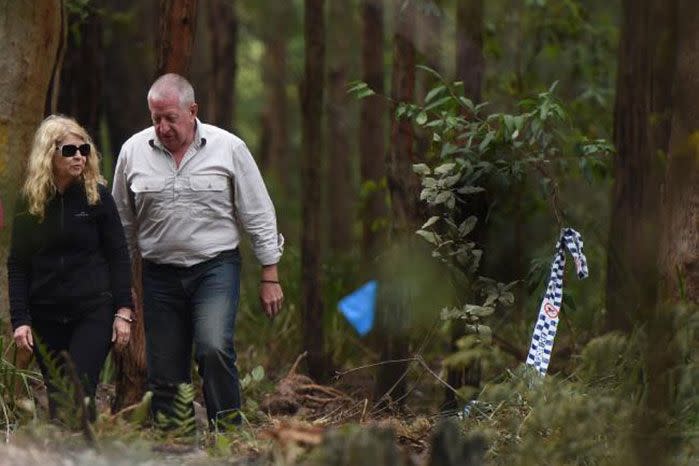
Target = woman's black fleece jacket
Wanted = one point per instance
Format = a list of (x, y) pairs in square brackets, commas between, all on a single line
[(75, 259)]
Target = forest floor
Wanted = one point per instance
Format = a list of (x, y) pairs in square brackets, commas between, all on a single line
[(293, 418)]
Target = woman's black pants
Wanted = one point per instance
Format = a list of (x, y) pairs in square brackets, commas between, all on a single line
[(87, 340)]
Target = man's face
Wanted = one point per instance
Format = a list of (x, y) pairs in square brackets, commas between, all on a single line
[(173, 123)]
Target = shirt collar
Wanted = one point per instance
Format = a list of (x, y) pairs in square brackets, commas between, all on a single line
[(198, 142)]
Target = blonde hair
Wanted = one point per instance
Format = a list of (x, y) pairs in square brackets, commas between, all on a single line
[(40, 185)]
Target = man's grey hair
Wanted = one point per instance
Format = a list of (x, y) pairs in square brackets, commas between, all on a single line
[(172, 83)]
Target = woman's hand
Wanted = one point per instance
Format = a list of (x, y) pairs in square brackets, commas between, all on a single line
[(121, 329), (23, 337)]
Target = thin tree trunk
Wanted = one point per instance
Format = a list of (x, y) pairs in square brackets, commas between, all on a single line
[(470, 63), (177, 24), (470, 66), (30, 37), (274, 147), (403, 187), (80, 93), (430, 33), (312, 108), (403, 184), (339, 179), (223, 39), (641, 132), (372, 133)]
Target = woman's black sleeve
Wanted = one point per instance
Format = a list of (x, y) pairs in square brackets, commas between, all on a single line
[(116, 251), (19, 267)]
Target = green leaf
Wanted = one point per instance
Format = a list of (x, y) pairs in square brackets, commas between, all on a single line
[(486, 141), (430, 222), (258, 373), (421, 169), (428, 236), (470, 190), (468, 225), (364, 93), (479, 311), (421, 118), (444, 168), (430, 71), (438, 103), (442, 197), (434, 93)]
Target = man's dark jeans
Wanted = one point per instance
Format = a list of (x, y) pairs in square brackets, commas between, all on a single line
[(193, 304)]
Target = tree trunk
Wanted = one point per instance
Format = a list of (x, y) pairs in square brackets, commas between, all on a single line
[(80, 93), (177, 30), (470, 66), (430, 34), (274, 138), (339, 179), (641, 132), (470, 63), (30, 37), (178, 19), (312, 109), (403, 186), (680, 238), (130, 364), (223, 39), (372, 133), (129, 71)]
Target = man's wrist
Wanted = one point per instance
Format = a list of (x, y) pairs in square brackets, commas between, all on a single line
[(269, 273)]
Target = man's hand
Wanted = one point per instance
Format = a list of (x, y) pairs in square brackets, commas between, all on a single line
[(271, 294), (23, 337)]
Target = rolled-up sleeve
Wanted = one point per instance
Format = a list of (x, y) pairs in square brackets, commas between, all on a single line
[(255, 209)]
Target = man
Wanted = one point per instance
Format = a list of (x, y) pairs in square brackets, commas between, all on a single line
[(182, 187)]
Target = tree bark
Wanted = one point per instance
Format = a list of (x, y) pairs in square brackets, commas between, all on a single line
[(339, 179), (470, 66), (222, 23), (82, 75), (372, 133), (129, 71), (403, 187), (641, 133), (274, 139), (312, 108), (178, 19), (403, 184), (30, 36), (680, 239), (177, 30)]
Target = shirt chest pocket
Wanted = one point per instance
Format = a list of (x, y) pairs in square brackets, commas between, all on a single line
[(148, 185), (150, 197), (208, 196), (204, 183)]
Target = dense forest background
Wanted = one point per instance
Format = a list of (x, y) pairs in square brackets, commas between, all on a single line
[(439, 147)]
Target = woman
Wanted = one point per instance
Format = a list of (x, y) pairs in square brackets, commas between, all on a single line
[(69, 269)]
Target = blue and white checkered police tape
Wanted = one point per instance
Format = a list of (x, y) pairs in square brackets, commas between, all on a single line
[(546, 324)]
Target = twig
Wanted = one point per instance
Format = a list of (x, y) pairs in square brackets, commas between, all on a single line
[(368, 366), (296, 363), (427, 368)]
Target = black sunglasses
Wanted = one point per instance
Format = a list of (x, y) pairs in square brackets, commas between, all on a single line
[(69, 150)]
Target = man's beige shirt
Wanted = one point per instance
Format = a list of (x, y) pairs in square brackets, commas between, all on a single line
[(184, 216)]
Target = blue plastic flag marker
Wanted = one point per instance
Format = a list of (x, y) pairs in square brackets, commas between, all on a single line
[(359, 307)]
